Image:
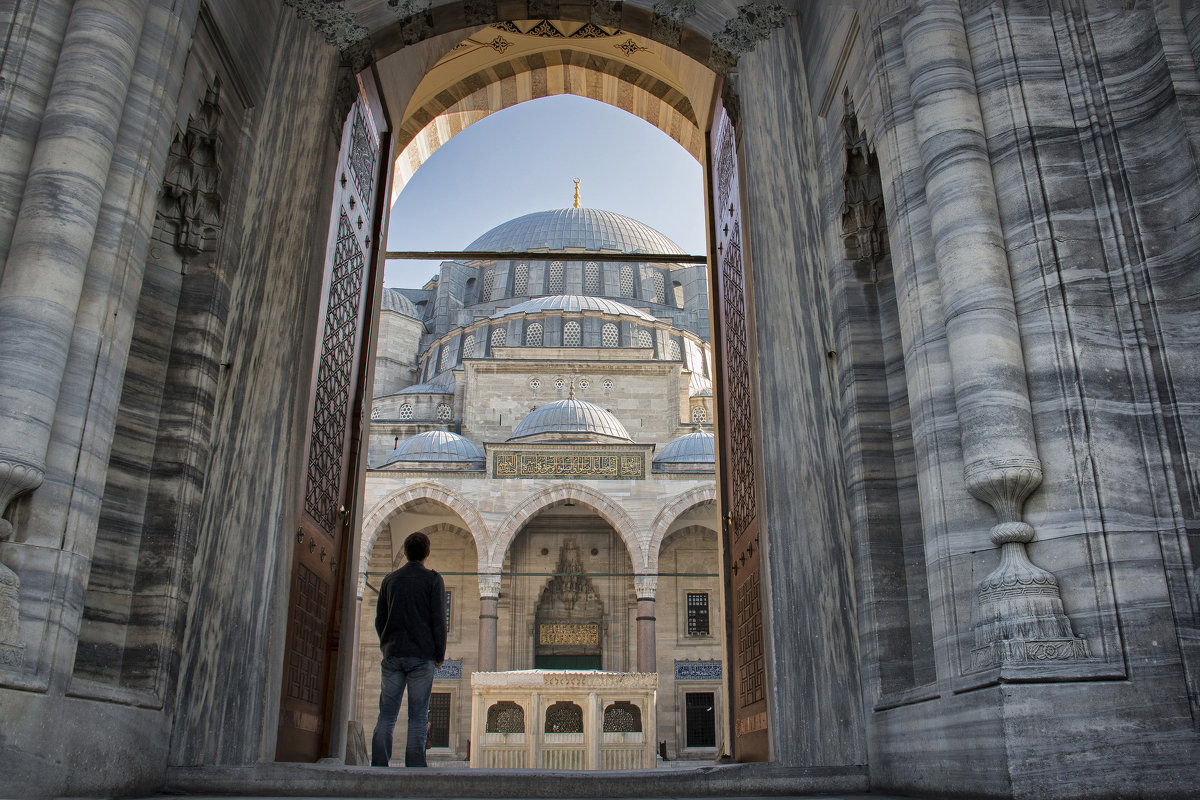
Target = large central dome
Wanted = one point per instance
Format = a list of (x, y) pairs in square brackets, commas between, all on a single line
[(575, 229)]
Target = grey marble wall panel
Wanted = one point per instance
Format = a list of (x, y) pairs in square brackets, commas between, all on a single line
[(235, 625), (813, 663)]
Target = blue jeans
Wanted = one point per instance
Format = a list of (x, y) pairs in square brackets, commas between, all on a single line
[(398, 671)]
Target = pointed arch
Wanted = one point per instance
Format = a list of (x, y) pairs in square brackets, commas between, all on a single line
[(378, 516), (612, 513), (671, 512)]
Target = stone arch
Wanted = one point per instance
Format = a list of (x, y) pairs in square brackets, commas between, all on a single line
[(378, 516), (612, 513), (671, 512)]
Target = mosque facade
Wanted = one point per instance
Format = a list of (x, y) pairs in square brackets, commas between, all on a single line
[(567, 404)]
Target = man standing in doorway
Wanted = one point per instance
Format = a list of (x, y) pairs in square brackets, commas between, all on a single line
[(411, 621)]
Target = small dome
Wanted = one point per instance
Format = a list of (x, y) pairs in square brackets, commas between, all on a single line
[(448, 450), (692, 452), (573, 303), (571, 419), (428, 388), (395, 300)]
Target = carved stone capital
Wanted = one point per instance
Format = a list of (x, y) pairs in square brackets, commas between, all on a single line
[(489, 585), (1004, 484), (645, 586), (16, 478)]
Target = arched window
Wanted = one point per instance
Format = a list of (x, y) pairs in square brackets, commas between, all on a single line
[(626, 281), (499, 337), (564, 717), (699, 415), (444, 412), (673, 350), (469, 346), (591, 278), (444, 360), (505, 717), (554, 283), (572, 334), (406, 411), (644, 338), (521, 280), (533, 335), (622, 717), (660, 288), (376, 412), (485, 286), (609, 336)]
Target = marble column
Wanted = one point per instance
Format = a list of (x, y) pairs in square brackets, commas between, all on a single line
[(645, 587), (52, 239), (489, 603), (1019, 615)]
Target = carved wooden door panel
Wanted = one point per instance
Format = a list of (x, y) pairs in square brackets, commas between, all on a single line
[(307, 697), (739, 493)]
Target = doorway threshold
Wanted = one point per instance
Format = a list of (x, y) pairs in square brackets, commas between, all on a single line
[(334, 780)]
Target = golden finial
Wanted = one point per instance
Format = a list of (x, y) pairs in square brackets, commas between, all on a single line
[(577, 193)]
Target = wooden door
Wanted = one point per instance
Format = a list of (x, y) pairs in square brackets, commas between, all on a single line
[(322, 535), (733, 340)]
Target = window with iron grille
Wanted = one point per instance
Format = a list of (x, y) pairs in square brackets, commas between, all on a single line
[(697, 614), (445, 358), (645, 339), (469, 346), (533, 335), (699, 415), (660, 288), (444, 412), (554, 284), (700, 719), (591, 278), (439, 719), (521, 279), (572, 335), (505, 717), (626, 281), (499, 337), (406, 411), (485, 286), (609, 335), (673, 353)]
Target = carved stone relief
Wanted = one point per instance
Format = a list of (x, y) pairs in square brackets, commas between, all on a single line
[(190, 205)]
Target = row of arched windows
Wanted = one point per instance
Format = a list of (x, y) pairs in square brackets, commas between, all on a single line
[(656, 290), (564, 716)]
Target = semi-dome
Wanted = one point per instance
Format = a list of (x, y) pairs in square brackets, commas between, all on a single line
[(692, 452), (573, 303), (441, 449), (395, 300), (570, 419), (575, 228)]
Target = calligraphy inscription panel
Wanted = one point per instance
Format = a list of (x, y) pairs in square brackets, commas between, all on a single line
[(603, 466), (566, 633)]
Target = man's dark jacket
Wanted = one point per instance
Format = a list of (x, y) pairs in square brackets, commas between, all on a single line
[(410, 617)]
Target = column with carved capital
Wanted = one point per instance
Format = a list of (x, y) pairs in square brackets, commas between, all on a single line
[(1019, 615), (51, 241), (645, 587), (489, 607)]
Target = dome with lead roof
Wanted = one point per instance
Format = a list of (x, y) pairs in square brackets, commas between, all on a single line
[(395, 300), (570, 419), (692, 452), (437, 450), (573, 303), (575, 229)]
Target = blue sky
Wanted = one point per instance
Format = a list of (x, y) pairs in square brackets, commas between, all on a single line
[(525, 159)]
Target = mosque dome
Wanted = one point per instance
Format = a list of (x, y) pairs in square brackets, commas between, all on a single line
[(575, 228), (573, 303), (444, 449), (395, 300), (570, 419), (692, 452)]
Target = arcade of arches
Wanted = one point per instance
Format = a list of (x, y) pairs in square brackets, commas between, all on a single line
[(954, 337)]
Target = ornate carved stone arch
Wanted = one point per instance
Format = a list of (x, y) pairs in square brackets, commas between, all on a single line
[(671, 512), (612, 513), (375, 519)]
